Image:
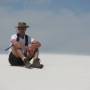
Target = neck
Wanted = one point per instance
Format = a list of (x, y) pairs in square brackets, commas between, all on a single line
[(21, 35)]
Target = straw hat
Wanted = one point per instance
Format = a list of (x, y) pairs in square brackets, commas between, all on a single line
[(22, 24)]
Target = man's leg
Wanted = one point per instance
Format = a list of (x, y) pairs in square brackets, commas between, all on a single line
[(14, 61), (18, 53), (36, 60)]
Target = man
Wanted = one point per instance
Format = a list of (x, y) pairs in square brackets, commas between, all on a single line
[(24, 48)]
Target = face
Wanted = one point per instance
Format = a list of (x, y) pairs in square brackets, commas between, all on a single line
[(22, 30)]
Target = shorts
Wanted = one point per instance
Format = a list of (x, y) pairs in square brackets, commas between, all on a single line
[(14, 61)]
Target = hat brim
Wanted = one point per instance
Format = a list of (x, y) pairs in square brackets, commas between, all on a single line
[(22, 26)]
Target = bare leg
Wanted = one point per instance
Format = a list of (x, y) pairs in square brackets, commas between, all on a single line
[(36, 60), (18, 53), (36, 55)]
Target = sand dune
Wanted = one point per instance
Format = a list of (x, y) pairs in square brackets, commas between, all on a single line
[(61, 72)]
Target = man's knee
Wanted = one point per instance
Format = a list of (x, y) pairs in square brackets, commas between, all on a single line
[(32, 51)]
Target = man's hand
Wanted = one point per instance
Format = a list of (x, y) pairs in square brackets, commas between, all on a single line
[(36, 44)]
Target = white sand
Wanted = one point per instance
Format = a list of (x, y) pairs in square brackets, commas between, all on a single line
[(61, 72)]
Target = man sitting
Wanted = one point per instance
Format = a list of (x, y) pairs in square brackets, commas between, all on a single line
[(24, 48)]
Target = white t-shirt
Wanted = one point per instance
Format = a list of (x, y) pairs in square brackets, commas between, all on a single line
[(21, 40)]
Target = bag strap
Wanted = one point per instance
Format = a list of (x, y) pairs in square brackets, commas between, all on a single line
[(26, 39), (17, 37)]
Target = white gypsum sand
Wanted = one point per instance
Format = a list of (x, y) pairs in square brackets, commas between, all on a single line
[(61, 72)]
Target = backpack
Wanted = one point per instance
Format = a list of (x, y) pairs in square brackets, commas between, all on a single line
[(26, 39)]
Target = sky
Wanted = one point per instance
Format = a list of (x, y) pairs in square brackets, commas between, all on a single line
[(62, 26)]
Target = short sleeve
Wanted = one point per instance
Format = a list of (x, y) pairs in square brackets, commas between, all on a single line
[(13, 38), (30, 39)]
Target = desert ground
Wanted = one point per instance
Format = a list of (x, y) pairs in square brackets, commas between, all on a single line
[(60, 72)]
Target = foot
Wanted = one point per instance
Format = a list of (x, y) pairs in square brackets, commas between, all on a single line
[(36, 64), (27, 63)]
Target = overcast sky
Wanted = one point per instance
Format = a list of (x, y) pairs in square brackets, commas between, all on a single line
[(62, 26)]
